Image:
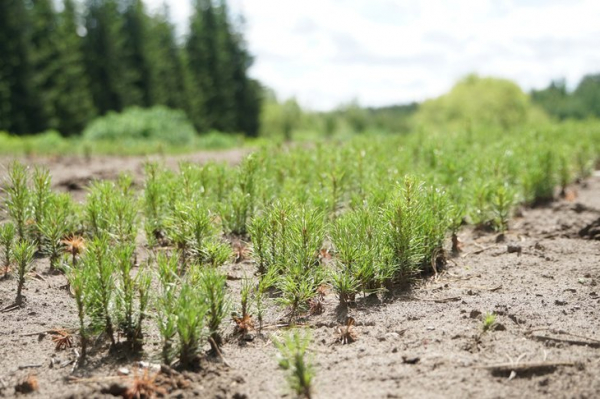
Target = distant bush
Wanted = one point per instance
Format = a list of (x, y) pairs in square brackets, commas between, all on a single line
[(47, 142), (138, 124), (481, 102), (215, 140)]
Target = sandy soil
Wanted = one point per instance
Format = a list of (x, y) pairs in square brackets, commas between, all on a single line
[(541, 282)]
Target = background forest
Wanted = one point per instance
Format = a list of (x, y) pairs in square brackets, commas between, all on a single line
[(104, 71)]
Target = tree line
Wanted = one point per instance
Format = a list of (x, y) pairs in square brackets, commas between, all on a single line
[(558, 101), (63, 64)]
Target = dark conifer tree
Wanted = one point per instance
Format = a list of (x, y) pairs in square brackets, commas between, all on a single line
[(168, 77), (112, 80), (136, 46), (74, 106), (20, 106)]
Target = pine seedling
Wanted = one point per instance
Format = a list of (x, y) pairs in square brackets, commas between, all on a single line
[(167, 302), (244, 321), (217, 253), (201, 230), (143, 282), (489, 321), (122, 211), (96, 216), (100, 284), (212, 284), (124, 259), (564, 173), (306, 233), (7, 237), (179, 231), (239, 210), (23, 254), (480, 205), (278, 221), (297, 363), (77, 280), (540, 179), (235, 212), (258, 235), (245, 296), (189, 179), (336, 179), (53, 229), (406, 215), (266, 281), (296, 290), (191, 310), (345, 285), (153, 203), (41, 195), (503, 198), (18, 198)]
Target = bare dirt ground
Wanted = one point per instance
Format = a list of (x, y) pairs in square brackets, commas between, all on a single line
[(541, 282)]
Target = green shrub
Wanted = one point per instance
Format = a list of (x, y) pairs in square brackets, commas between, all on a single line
[(479, 101), (154, 124)]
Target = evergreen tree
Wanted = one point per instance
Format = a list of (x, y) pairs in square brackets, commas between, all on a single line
[(51, 77), (44, 58), (169, 74), (136, 39), (218, 64), (20, 108), (201, 62), (74, 106), (586, 96), (112, 80), (246, 92), (59, 74)]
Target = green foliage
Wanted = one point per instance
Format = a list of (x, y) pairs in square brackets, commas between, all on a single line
[(52, 76), (489, 321), (157, 124), (476, 101), (39, 201), (100, 285), (131, 289), (23, 254), (502, 200), (280, 119), (77, 278), (189, 226), (212, 284), (56, 226), (111, 210), (237, 212), (166, 302), (21, 110), (7, 237), (587, 96), (295, 360), (555, 100), (363, 260), (418, 222), (540, 179), (191, 309), (18, 198)]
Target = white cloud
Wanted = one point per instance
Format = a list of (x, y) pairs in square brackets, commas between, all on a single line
[(390, 51)]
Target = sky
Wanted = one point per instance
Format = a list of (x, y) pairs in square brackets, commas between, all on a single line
[(383, 52)]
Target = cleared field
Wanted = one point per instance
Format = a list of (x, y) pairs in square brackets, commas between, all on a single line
[(424, 265)]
